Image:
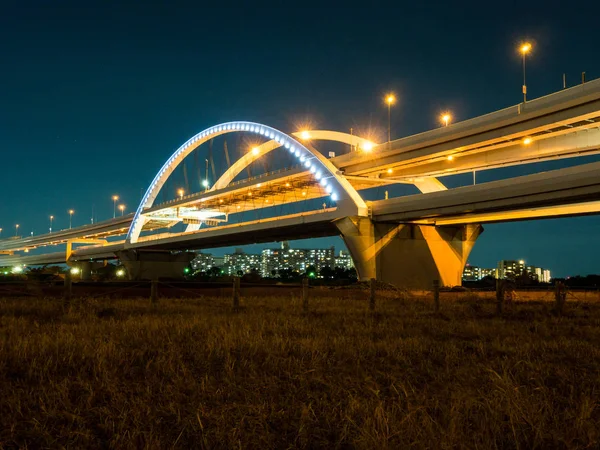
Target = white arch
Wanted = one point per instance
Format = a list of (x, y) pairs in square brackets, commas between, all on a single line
[(323, 170)]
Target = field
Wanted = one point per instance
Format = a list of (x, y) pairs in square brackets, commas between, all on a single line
[(191, 373)]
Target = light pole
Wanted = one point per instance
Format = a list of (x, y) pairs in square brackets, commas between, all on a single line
[(180, 192), (525, 49), (446, 117), (205, 182), (115, 198), (16, 230), (70, 217), (122, 209), (390, 99), (51, 219)]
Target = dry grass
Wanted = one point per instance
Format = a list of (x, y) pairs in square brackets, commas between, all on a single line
[(192, 374)]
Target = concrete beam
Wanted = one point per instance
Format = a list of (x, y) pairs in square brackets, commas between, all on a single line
[(584, 142), (561, 187)]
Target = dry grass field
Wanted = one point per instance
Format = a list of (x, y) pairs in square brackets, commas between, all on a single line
[(193, 374)]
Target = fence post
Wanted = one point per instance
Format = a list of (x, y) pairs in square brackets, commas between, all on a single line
[(499, 296), (560, 295), (68, 291), (154, 292), (372, 294), (436, 295), (305, 295), (236, 293)]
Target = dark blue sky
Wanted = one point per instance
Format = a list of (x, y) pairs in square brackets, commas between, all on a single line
[(95, 95)]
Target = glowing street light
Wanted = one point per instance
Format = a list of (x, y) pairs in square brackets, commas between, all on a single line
[(205, 184), (16, 229), (255, 151), (446, 117), (304, 135), (390, 99), (51, 219), (120, 273), (115, 198), (524, 49), (367, 146), (122, 209), (0, 232), (180, 192), (75, 271), (450, 157), (527, 141), (71, 212)]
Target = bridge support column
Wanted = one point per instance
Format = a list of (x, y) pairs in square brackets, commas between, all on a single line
[(408, 255), (86, 270), (152, 265)]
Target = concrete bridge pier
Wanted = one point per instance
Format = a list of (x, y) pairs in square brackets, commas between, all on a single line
[(86, 268), (154, 264), (408, 255)]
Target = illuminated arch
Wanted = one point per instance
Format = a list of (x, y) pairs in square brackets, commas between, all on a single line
[(323, 170), (316, 135)]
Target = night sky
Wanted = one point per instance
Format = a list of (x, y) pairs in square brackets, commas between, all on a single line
[(96, 95)]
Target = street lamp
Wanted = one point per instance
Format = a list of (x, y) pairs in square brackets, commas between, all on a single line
[(70, 217), (524, 49), (180, 193), (122, 209), (16, 229), (115, 198), (446, 117), (305, 135), (51, 219), (390, 99), (0, 232), (205, 184)]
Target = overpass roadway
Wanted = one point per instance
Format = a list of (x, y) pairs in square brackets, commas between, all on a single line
[(562, 124), (558, 193)]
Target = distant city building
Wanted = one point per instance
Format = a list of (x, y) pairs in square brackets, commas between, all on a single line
[(272, 260), (344, 260), (471, 273), (322, 257), (539, 274), (488, 273), (506, 269), (202, 262), (510, 268), (219, 261), (295, 259), (241, 262), (475, 273)]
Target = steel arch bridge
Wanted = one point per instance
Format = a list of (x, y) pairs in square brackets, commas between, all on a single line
[(408, 241)]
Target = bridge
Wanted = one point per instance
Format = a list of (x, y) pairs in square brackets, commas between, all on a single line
[(408, 241)]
